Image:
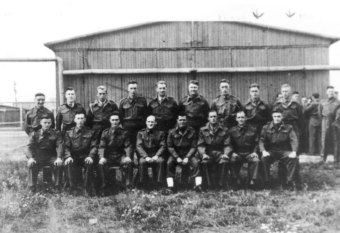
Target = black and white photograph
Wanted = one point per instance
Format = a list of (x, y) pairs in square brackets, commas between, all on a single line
[(169, 116)]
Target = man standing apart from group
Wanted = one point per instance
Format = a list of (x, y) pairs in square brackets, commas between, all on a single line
[(327, 111), (33, 117), (226, 106)]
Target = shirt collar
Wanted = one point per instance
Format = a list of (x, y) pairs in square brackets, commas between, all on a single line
[(71, 106), (99, 103)]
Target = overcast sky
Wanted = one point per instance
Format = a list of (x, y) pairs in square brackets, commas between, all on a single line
[(27, 25)]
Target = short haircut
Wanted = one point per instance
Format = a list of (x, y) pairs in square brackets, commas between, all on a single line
[(39, 94), (329, 87), (115, 113), (316, 95), (212, 111), (181, 114), (102, 87), (224, 81), (277, 110), (286, 85), (295, 92), (151, 116), (132, 82), (241, 111), (69, 89), (254, 85), (79, 112), (46, 116), (161, 82), (195, 82)]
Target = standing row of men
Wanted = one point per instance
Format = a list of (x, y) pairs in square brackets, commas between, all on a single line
[(232, 135)]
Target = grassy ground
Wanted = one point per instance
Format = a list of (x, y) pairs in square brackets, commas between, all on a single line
[(315, 209)]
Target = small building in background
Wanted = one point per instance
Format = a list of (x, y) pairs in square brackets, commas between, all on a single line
[(176, 52)]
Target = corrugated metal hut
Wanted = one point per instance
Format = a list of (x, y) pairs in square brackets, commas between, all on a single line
[(207, 51)]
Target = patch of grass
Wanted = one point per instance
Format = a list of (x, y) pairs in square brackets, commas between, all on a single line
[(313, 210)]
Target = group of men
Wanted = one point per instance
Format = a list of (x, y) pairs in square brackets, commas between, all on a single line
[(208, 144)]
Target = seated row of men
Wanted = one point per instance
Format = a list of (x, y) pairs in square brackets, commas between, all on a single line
[(207, 158)]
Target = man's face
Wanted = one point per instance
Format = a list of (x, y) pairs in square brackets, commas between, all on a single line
[(330, 93), (70, 96), (101, 94), (295, 97), (150, 122), (182, 121), (241, 118), (285, 92), (193, 89), (212, 118), (40, 101), (132, 89), (254, 93), (79, 119), (114, 120), (161, 89), (277, 117), (45, 124), (224, 88)]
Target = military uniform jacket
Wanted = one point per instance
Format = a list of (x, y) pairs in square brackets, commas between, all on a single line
[(312, 112), (243, 140), (257, 113), (65, 116), (328, 108), (212, 141), (150, 143), (292, 114), (133, 112), (182, 144), (165, 112), (226, 108), (196, 110), (278, 138), (80, 143), (114, 144), (42, 145), (33, 117), (98, 115)]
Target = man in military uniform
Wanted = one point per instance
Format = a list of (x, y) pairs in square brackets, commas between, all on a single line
[(278, 141), (80, 149), (243, 148), (195, 106), (182, 146), (66, 112), (336, 132), (296, 97), (226, 105), (292, 111), (212, 151), (292, 114), (256, 110), (115, 150), (45, 148), (164, 108), (311, 112), (33, 117), (99, 112), (327, 110), (133, 111), (151, 145)]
